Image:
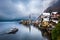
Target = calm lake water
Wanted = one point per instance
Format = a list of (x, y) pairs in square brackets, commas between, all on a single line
[(22, 34)]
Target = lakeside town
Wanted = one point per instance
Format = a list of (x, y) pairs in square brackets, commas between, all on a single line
[(29, 19), (46, 22)]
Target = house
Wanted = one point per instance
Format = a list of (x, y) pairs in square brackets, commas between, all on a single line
[(55, 15)]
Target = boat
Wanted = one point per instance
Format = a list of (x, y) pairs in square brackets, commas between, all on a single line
[(13, 31)]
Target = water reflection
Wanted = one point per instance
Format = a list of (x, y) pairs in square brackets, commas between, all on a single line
[(22, 34)]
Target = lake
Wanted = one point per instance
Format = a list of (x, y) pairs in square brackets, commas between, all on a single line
[(22, 34)]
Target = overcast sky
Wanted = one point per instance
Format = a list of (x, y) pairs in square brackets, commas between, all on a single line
[(15, 9)]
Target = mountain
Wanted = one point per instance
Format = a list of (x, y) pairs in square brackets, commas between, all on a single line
[(54, 9)]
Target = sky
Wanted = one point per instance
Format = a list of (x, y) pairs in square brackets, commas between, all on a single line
[(16, 9)]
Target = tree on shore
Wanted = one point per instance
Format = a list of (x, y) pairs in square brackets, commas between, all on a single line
[(56, 32)]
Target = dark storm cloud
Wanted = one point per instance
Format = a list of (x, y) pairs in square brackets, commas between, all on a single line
[(15, 9), (7, 10), (57, 4)]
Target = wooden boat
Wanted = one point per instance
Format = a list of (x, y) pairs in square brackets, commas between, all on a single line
[(13, 31)]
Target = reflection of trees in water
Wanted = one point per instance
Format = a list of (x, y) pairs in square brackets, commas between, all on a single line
[(45, 33), (29, 28)]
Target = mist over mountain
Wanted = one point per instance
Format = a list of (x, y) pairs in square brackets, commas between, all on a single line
[(55, 7)]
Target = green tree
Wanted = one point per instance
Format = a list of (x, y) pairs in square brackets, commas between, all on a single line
[(59, 21), (56, 31)]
